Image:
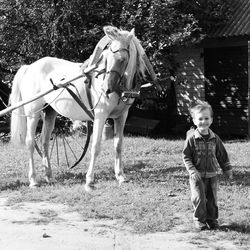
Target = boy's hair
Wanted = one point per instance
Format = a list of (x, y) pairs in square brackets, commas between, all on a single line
[(200, 106)]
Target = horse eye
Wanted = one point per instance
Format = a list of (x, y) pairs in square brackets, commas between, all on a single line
[(121, 59)]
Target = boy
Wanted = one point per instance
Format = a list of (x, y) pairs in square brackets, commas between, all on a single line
[(203, 154)]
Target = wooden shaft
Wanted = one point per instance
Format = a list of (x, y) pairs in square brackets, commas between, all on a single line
[(37, 96)]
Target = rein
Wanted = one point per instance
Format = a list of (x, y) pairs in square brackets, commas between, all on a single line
[(103, 71), (115, 71)]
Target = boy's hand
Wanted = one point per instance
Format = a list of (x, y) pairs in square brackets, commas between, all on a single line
[(228, 174), (195, 176)]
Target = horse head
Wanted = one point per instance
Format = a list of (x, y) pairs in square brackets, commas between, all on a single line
[(116, 58)]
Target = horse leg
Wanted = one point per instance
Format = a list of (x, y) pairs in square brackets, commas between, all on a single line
[(30, 139), (48, 126), (118, 141), (95, 150)]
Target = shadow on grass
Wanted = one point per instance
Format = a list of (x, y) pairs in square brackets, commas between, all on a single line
[(241, 176), (138, 172), (12, 185), (64, 178), (240, 228), (69, 177), (143, 170)]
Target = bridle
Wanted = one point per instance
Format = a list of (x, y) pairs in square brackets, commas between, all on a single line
[(103, 71)]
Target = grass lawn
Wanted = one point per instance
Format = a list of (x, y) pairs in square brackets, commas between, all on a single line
[(156, 198)]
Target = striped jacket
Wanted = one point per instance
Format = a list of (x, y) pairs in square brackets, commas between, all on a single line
[(205, 156)]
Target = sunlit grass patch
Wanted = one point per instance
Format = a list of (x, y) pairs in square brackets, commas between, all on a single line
[(156, 198)]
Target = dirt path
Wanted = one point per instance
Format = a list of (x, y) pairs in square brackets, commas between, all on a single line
[(41, 225)]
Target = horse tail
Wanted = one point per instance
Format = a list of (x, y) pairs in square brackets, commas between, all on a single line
[(18, 123)]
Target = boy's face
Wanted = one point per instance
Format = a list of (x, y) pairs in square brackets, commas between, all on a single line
[(202, 120)]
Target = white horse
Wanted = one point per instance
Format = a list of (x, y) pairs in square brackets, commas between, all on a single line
[(120, 61)]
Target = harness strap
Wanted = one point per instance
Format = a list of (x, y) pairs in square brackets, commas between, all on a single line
[(81, 104), (87, 88), (88, 127)]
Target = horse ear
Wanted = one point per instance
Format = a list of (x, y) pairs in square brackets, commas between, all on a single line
[(111, 32), (131, 33)]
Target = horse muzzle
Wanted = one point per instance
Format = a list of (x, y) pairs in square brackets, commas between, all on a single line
[(109, 85)]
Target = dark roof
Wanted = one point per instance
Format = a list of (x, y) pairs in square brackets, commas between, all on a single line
[(239, 22)]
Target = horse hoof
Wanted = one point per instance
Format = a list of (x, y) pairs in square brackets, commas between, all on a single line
[(122, 180), (89, 187), (33, 185), (48, 180)]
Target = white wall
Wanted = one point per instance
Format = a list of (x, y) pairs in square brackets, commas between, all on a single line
[(190, 84)]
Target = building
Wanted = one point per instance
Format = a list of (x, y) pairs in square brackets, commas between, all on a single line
[(218, 71)]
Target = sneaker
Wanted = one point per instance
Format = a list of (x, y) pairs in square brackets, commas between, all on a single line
[(213, 225), (200, 225)]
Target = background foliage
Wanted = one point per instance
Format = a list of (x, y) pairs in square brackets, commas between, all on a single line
[(70, 29)]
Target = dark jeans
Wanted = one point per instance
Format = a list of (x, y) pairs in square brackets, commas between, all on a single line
[(204, 199)]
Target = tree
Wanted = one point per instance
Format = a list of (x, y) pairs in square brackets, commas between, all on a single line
[(70, 29), (60, 28), (164, 24)]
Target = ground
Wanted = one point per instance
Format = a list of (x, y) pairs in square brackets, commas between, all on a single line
[(42, 225)]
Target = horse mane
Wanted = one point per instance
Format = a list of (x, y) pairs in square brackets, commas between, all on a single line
[(141, 67), (140, 64)]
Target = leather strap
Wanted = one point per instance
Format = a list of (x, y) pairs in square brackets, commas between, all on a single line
[(81, 104), (87, 88)]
